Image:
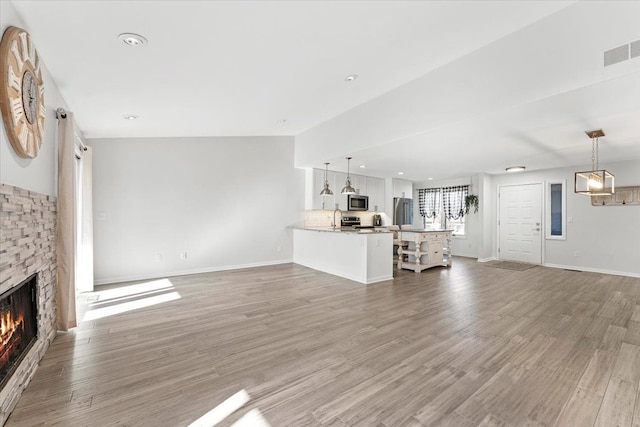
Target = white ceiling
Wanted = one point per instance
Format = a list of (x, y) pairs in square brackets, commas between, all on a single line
[(236, 68)]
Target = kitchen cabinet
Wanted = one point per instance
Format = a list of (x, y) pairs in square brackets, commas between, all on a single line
[(364, 185), (375, 191), (359, 182), (426, 249)]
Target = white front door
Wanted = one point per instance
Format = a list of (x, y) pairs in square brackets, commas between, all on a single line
[(520, 236)]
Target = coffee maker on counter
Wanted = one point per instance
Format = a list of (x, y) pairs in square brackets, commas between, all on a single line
[(377, 220)]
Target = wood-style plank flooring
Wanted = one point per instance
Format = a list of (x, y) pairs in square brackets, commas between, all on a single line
[(465, 346)]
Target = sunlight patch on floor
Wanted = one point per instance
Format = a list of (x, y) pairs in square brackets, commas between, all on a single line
[(253, 418), (223, 410), (128, 292), (99, 302)]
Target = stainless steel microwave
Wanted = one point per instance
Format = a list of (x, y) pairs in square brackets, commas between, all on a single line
[(356, 202)]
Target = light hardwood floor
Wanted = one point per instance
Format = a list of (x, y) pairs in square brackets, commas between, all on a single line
[(465, 346)]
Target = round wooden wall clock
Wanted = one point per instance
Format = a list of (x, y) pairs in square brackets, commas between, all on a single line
[(21, 92)]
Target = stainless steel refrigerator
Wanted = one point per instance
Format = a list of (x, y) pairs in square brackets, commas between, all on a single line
[(402, 211)]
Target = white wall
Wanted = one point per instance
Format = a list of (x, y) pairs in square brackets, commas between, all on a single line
[(487, 206), (607, 238), (227, 202), (39, 174)]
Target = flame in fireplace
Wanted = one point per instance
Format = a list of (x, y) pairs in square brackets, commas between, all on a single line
[(8, 325), (8, 328)]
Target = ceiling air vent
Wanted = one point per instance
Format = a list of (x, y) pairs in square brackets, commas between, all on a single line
[(635, 49), (616, 55)]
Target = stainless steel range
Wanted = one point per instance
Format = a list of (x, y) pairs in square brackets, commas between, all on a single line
[(353, 222), (350, 221)]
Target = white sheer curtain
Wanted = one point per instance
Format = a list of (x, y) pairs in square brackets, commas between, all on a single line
[(84, 277)]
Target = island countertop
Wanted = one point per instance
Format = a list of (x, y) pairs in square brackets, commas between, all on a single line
[(345, 230), (418, 230)]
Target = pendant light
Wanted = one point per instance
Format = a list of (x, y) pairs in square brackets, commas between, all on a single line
[(326, 191), (596, 181), (348, 189)]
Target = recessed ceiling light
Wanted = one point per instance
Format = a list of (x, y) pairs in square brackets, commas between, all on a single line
[(363, 166), (283, 121), (132, 39), (131, 117), (429, 179), (350, 77), (515, 168), (400, 173)]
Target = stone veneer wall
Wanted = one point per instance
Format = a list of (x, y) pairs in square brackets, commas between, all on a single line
[(27, 246)]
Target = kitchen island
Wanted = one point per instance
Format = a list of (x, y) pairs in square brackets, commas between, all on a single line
[(365, 256), (426, 249)]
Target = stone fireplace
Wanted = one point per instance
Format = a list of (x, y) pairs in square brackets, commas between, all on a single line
[(27, 248)]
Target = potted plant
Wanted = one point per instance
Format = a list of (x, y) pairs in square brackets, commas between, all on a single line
[(471, 201)]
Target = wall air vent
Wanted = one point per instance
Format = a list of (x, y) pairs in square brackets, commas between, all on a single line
[(635, 49), (615, 55)]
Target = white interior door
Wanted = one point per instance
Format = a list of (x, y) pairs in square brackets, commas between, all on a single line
[(520, 223)]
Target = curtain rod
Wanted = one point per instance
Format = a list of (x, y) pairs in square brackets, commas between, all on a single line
[(61, 113)]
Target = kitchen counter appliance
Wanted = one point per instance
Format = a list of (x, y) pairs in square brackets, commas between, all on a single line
[(356, 202), (353, 222), (350, 221)]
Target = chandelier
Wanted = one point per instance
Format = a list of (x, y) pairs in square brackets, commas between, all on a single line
[(597, 181)]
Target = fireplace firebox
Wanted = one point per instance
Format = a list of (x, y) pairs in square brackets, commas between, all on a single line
[(18, 324)]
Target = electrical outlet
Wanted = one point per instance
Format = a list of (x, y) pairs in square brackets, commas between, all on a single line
[(279, 249), (158, 257), (183, 255), (576, 253)]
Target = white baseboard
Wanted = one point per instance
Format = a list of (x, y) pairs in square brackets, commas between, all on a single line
[(592, 270), (491, 258), (132, 278), (464, 254), (329, 269), (379, 279)]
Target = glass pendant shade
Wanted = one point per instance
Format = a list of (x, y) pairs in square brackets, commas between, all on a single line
[(595, 182), (326, 191)]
